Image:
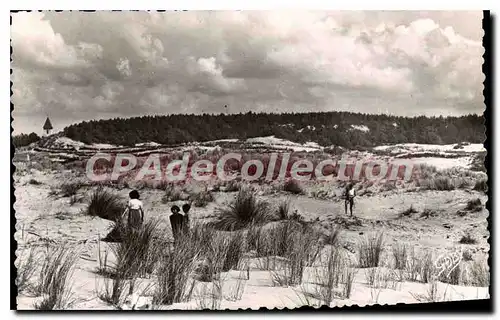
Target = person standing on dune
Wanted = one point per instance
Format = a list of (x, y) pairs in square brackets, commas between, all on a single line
[(134, 213), (349, 195), (176, 222), (185, 208)]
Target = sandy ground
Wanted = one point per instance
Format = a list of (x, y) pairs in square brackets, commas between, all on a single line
[(42, 216)]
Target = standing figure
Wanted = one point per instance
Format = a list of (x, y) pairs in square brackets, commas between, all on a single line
[(177, 222), (134, 212), (185, 208), (349, 195)]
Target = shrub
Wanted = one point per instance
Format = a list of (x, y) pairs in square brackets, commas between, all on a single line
[(244, 211), (369, 251), (202, 199), (439, 182), (443, 183), (105, 204), (481, 185), (408, 211), (467, 239), (293, 186), (34, 182), (229, 186), (426, 171), (70, 188), (467, 255), (474, 205), (232, 186), (173, 193), (428, 213)]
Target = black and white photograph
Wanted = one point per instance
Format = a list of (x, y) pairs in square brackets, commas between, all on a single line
[(225, 160)]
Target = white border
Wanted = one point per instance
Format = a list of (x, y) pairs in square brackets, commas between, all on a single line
[(188, 5)]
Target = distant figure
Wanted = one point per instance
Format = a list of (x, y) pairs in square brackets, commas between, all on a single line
[(185, 208), (177, 222), (349, 195), (134, 212)]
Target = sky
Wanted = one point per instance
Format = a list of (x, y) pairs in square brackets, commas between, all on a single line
[(76, 66)]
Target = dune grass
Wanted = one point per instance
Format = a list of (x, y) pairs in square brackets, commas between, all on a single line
[(69, 189), (28, 261), (105, 204), (293, 187), (400, 255), (245, 210), (369, 250), (54, 281)]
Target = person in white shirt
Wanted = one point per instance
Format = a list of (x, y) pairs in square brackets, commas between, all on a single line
[(349, 195), (134, 213)]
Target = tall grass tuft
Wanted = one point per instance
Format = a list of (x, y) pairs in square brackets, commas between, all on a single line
[(235, 251), (400, 254), (177, 263), (329, 276), (69, 189), (201, 199), (293, 187), (427, 268), (479, 274), (293, 242), (54, 280), (105, 204), (283, 211), (369, 251), (243, 212), (27, 263)]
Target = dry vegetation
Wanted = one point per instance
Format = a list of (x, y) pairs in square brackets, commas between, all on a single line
[(249, 234)]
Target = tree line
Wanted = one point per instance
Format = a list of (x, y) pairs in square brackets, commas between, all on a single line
[(23, 139), (344, 129)]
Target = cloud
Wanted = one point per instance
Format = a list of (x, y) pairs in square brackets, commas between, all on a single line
[(79, 66)]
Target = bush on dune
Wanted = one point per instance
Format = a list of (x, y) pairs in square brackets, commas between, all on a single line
[(70, 188), (244, 211), (293, 187), (474, 205), (201, 199), (105, 204), (481, 185)]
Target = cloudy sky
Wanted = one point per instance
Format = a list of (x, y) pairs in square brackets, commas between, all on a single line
[(76, 66)]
